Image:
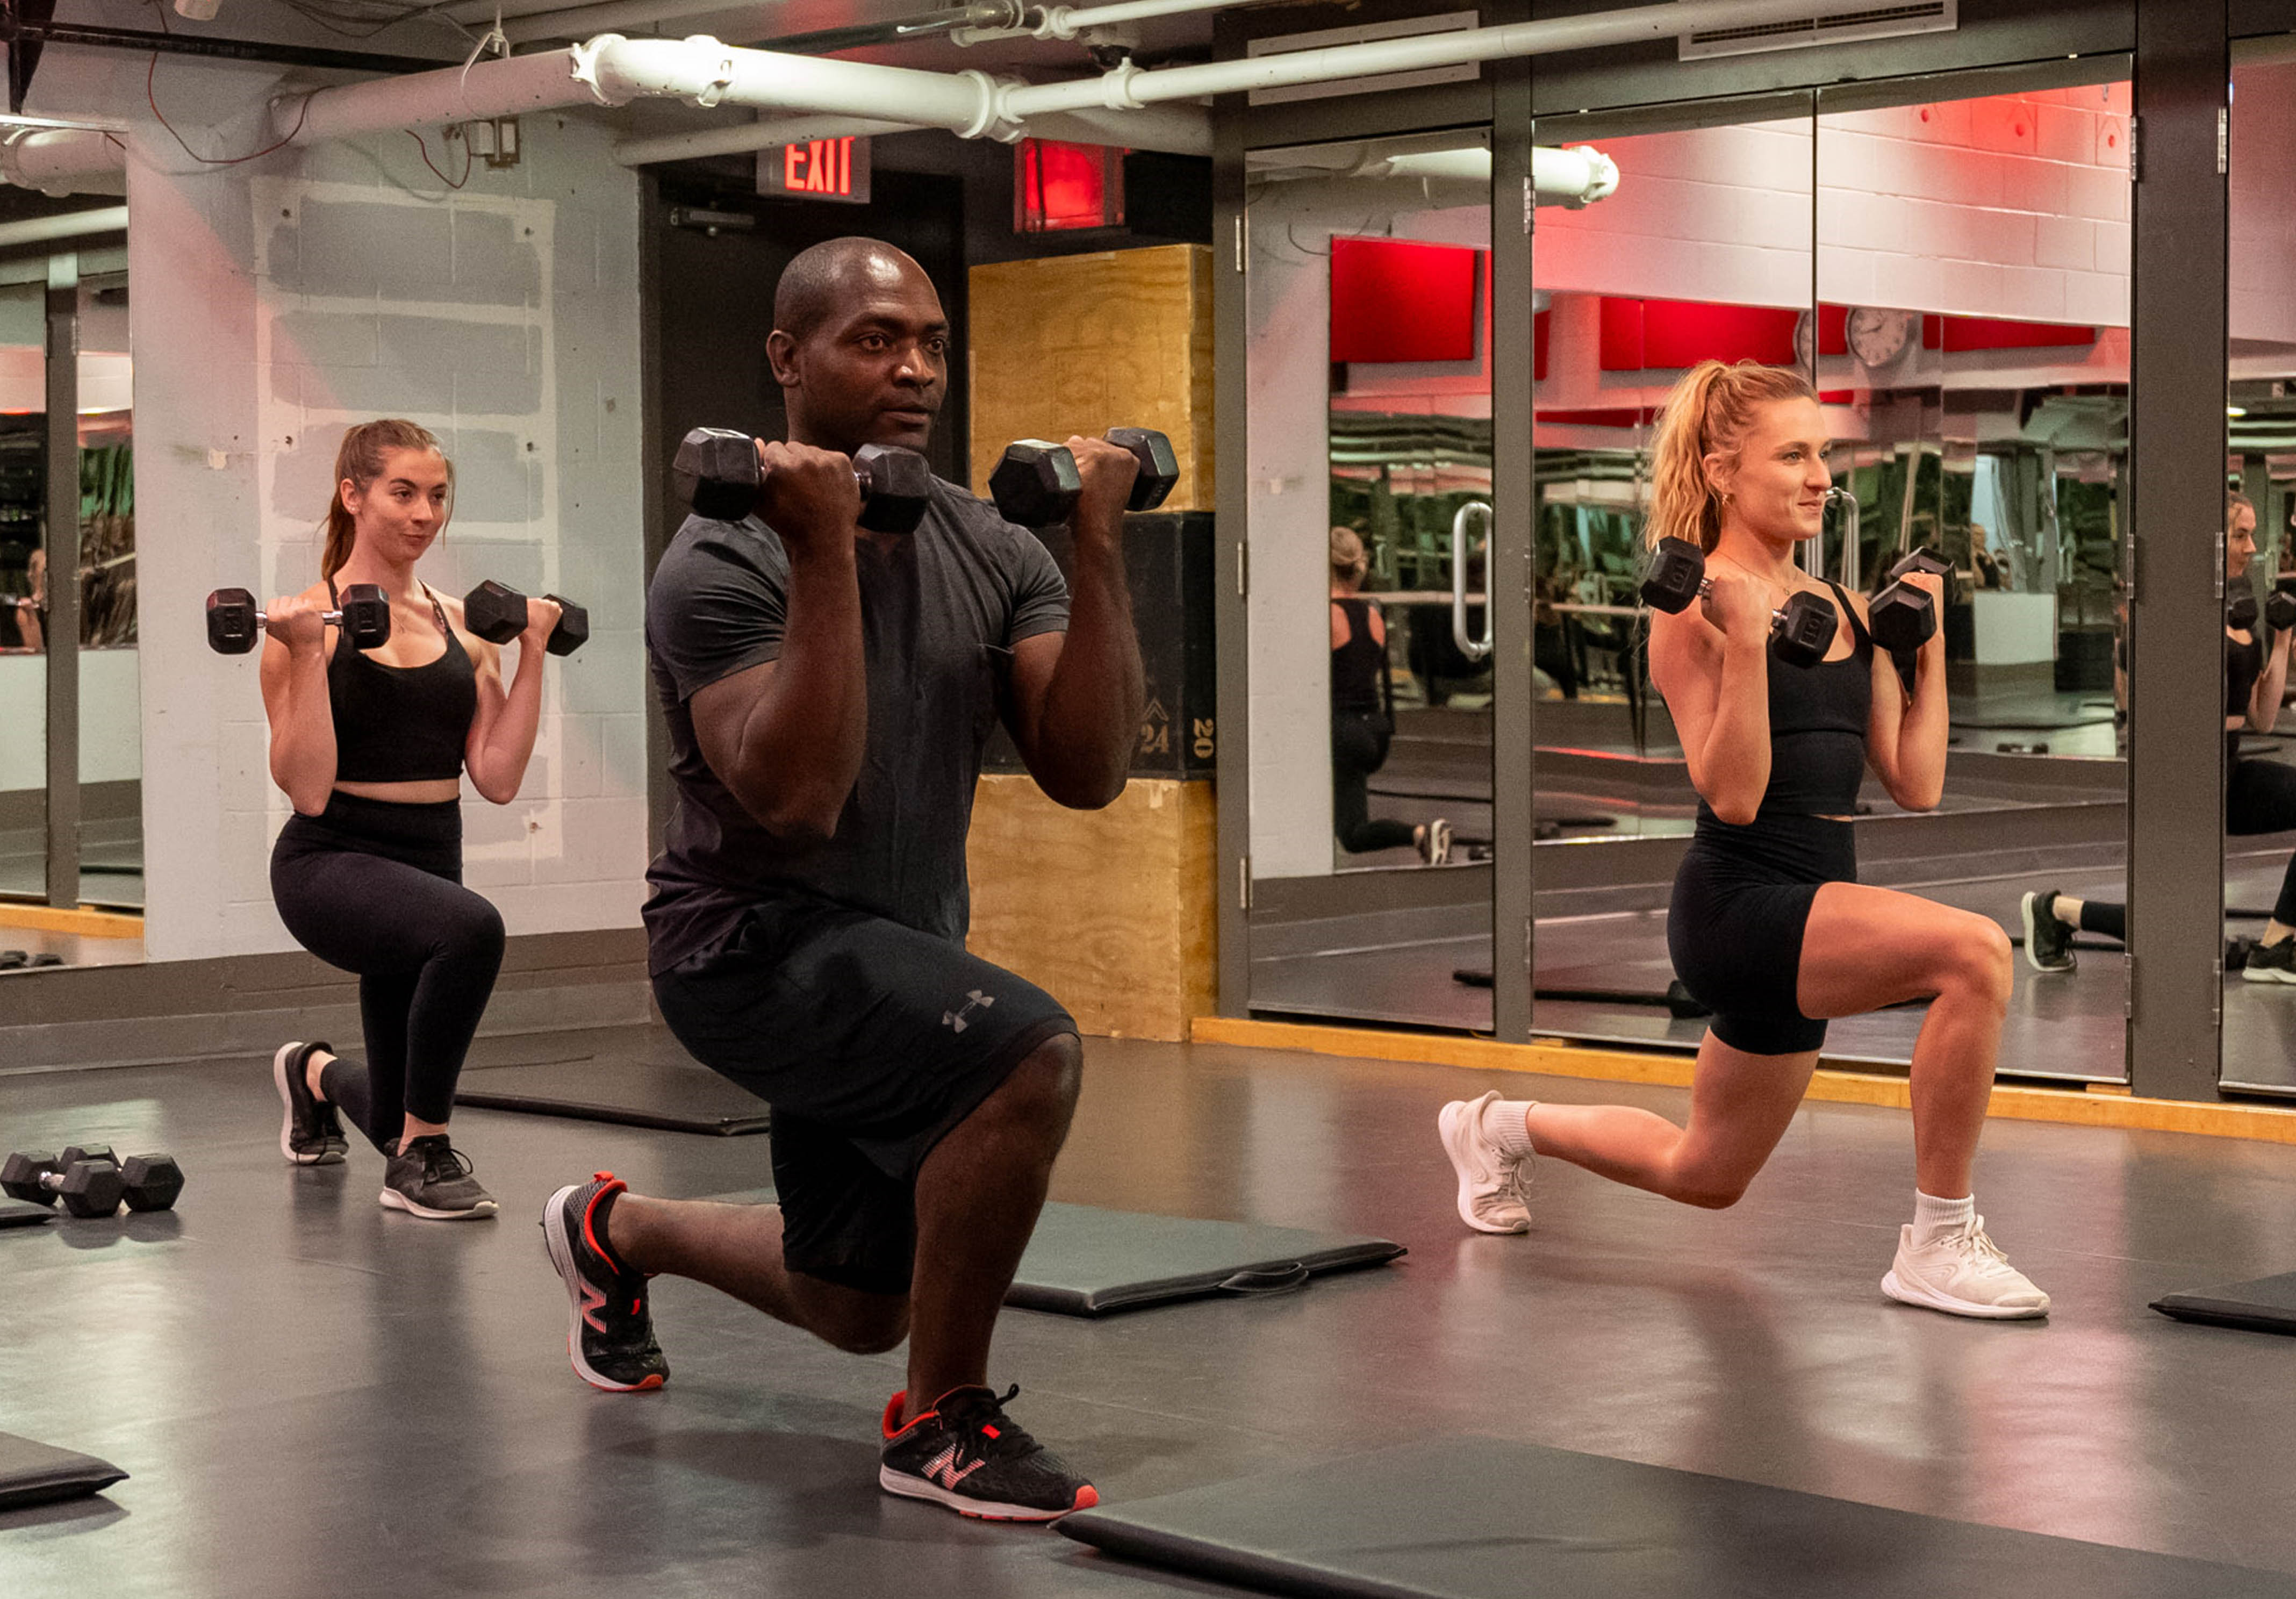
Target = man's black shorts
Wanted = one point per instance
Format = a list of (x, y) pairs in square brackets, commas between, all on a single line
[(870, 1041)]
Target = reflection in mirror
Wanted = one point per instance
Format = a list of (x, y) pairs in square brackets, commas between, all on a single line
[(1971, 346), (104, 925), (1370, 290), (2260, 875), (1703, 251)]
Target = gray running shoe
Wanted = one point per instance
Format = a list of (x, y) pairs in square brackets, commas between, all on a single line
[(430, 1178), (2271, 962)]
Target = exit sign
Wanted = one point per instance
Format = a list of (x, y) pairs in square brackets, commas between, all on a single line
[(822, 169)]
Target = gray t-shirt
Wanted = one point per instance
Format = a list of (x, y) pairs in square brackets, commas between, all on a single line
[(940, 611)]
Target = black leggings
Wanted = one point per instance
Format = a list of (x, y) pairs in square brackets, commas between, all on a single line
[(1358, 748), (2259, 797), (376, 887)]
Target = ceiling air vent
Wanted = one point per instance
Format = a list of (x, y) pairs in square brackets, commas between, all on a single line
[(1825, 25)]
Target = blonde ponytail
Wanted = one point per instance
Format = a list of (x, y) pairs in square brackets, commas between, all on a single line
[(1708, 413)]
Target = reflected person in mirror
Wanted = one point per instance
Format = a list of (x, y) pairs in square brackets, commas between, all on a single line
[(1363, 716), (1769, 926), (2260, 793)]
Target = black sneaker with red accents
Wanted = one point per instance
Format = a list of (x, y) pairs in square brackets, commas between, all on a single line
[(610, 1338), (965, 1453)]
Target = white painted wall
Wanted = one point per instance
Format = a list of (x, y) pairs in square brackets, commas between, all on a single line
[(110, 721), (278, 302)]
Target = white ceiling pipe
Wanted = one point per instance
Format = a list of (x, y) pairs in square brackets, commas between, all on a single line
[(1182, 130), (1069, 22), (72, 224), (740, 138), (504, 86), (1577, 176), (702, 71), (57, 160), (559, 21), (1127, 85)]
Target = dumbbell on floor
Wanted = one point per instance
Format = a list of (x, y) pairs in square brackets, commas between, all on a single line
[(1800, 633), (92, 1181), (496, 613), (1903, 617), (235, 624), (719, 476), (1036, 483)]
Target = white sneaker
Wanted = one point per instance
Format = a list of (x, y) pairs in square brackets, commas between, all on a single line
[(1435, 843), (1492, 1182), (1961, 1273)]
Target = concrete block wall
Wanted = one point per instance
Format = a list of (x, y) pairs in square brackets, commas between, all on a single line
[(279, 303)]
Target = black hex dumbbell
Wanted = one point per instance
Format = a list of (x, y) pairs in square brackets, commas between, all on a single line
[(235, 624), (496, 613), (1036, 483), (1800, 633), (151, 1182), (2279, 612), (1903, 617), (718, 476), (88, 1180)]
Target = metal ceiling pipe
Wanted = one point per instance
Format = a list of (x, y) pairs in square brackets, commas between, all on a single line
[(72, 224), (60, 161)]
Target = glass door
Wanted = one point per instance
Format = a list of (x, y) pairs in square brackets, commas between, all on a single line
[(1369, 288)]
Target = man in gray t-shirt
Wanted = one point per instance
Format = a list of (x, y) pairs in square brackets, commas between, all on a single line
[(828, 692)]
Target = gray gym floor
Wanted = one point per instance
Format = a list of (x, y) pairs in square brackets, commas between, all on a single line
[(317, 1395)]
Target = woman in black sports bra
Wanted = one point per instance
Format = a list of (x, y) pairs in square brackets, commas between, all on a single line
[(1769, 926), (371, 747), (1363, 716)]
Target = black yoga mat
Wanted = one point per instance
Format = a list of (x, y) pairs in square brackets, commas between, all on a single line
[(679, 1099), (1087, 1261), (23, 1213), (1485, 1518), (35, 1474), (2266, 1305)]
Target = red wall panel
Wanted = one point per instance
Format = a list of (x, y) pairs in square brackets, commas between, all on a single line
[(1396, 300)]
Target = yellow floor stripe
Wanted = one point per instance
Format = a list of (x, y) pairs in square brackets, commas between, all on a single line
[(86, 922), (2106, 1108)]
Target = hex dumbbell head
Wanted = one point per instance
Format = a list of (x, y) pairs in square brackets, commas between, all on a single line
[(1677, 567), (1902, 618), (494, 611), (151, 1182), (232, 626), (896, 488), (1160, 466), (91, 1189), (2240, 613), (1804, 630), (2280, 610), (716, 471), (73, 1153), (573, 629), (366, 616), (20, 1176), (1036, 484)]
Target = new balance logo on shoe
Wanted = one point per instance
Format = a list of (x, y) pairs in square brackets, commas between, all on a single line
[(958, 1020), (943, 1469), (593, 1301)]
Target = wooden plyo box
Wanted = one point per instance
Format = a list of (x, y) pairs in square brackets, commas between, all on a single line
[(1081, 344), (1110, 912)]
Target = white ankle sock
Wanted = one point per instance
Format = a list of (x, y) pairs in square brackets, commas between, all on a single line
[(1935, 1218), (1502, 1125)]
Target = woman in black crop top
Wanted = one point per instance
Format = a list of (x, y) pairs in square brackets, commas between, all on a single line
[(2260, 794), (1363, 716), (1769, 926), (371, 747)]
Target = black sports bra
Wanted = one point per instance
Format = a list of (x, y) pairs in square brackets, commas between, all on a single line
[(1817, 729), (401, 724)]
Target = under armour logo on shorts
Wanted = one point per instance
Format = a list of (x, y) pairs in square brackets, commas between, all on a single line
[(958, 1019)]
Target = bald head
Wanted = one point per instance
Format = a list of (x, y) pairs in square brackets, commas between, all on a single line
[(859, 346), (836, 276)]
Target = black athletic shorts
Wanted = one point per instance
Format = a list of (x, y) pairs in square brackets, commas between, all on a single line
[(870, 1041)]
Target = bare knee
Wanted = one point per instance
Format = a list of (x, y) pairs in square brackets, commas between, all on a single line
[(870, 1336), (860, 1323), (1709, 1193), (1041, 1093), (1983, 963)]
